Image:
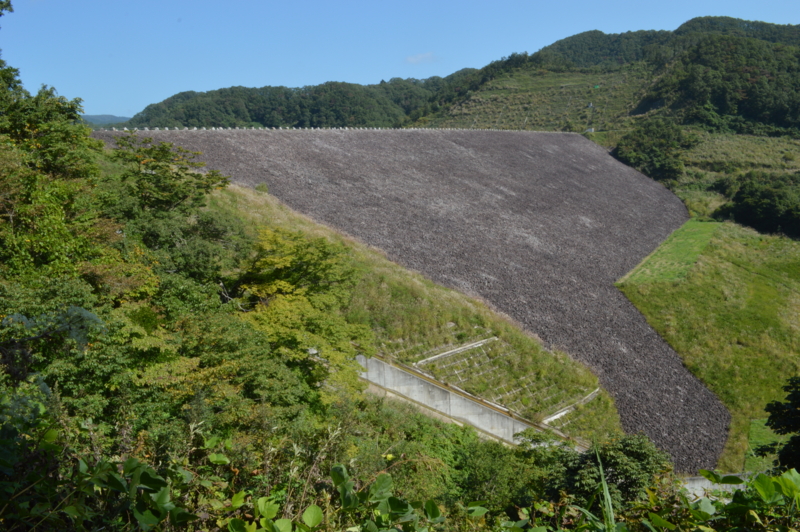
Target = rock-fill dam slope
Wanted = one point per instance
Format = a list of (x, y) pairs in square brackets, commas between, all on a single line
[(539, 224)]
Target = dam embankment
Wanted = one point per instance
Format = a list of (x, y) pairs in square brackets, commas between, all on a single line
[(538, 224)]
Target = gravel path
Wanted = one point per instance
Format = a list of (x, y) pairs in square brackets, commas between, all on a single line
[(539, 224)]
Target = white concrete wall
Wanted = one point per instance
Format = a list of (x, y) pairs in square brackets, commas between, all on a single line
[(450, 403)]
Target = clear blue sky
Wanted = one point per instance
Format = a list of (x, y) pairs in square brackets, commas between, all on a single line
[(120, 55)]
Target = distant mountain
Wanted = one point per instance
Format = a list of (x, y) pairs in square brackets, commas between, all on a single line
[(332, 104), (101, 120), (688, 73)]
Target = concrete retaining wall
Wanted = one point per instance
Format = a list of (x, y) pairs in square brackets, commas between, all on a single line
[(451, 402)]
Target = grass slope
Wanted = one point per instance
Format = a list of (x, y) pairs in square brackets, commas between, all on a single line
[(675, 257), (722, 155), (551, 101), (411, 315), (733, 316)]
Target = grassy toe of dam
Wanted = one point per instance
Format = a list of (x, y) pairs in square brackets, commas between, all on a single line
[(727, 299)]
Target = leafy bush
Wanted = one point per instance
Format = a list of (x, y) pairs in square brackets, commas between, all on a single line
[(655, 148), (767, 202)]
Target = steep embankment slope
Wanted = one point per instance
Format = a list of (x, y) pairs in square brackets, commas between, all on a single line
[(539, 224)]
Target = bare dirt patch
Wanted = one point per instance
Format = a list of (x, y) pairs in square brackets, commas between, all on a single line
[(539, 224)]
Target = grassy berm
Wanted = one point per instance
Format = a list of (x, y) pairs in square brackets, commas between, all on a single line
[(728, 300)]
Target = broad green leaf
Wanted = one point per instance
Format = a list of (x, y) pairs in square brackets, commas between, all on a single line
[(238, 500), (312, 516), (711, 475), (187, 476), (381, 488), (237, 525), (162, 500), (50, 436), (339, 474), (382, 507), (266, 508), (218, 459), (179, 516), (129, 465), (284, 525), (476, 511), (398, 506), (659, 521), (731, 479), (788, 483), (431, 510), (211, 442), (116, 483), (151, 480), (146, 519), (706, 506), (755, 517), (649, 527), (765, 488), (72, 512)]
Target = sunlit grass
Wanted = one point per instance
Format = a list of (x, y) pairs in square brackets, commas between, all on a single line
[(552, 101), (675, 256), (734, 318), (760, 434)]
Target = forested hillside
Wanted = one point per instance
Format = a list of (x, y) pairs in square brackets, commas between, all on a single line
[(333, 104)]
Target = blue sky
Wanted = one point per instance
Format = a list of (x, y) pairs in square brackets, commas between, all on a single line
[(120, 55)]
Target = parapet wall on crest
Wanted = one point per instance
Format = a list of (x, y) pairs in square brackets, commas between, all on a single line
[(538, 224)]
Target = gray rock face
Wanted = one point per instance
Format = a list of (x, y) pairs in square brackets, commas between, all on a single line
[(539, 224)]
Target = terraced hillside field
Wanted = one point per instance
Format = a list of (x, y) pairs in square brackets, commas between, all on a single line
[(551, 101), (539, 224)]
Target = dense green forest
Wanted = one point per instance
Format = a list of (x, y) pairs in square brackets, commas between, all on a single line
[(333, 104), (171, 361)]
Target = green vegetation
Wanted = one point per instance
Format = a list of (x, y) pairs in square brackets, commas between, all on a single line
[(761, 443), (784, 419), (104, 120), (332, 104), (538, 99), (675, 256), (732, 317)]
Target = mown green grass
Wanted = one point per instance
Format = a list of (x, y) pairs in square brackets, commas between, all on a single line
[(551, 101), (734, 318), (675, 256), (413, 317), (760, 434)]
